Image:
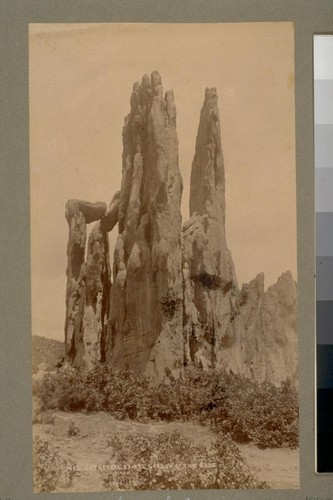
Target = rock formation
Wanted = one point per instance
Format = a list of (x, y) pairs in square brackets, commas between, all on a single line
[(247, 331), (96, 308), (145, 324), (270, 340), (266, 348), (174, 299), (75, 290), (208, 271), (88, 283)]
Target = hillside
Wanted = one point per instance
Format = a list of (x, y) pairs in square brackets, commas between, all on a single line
[(46, 350)]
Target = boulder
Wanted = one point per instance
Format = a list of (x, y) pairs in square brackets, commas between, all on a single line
[(110, 218), (91, 211)]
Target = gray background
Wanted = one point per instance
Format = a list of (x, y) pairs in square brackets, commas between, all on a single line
[(310, 17)]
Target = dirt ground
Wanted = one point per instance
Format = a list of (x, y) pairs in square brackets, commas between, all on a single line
[(90, 448)]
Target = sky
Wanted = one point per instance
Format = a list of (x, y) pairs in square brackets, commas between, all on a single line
[(80, 82)]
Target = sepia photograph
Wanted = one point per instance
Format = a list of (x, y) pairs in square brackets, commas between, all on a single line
[(163, 256)]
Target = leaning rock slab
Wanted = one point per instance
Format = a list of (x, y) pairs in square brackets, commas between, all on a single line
[(91, 211)]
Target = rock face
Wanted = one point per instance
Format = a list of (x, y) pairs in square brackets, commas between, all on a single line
[(75, 290), (110, 218), (270, 345), (145, 324), (211, 260), (91, 211), (246, 331), (96, 308), (88, 284), (174, 299), (209, 278), (267, 340)]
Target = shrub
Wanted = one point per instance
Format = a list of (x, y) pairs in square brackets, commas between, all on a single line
[(64, 390), (170, 304), (172, 461), (50, 469), (261, 413), (250, 412), (73, 429)]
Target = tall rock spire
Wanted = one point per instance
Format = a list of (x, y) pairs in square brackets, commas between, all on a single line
[(88, 281), (145, 325), (247, 331), (205, 232), (207, 175), (75, 288), (209, 278)]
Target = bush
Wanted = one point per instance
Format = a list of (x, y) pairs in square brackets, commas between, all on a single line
[(50, 469), (172, 461), (101, 389), (64, 390), (250, 412), (73, 429), (261, 413)]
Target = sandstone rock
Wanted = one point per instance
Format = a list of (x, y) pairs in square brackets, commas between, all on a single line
[(277, 330), (174, 298), (110, 218), (91, 211), (75, 289), (263, 345), (246, 331), (145, 326), (96, 308), (210, 258), (88, 284), (211, 273)]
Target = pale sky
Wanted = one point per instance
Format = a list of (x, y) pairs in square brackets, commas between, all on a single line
[(81, 77)]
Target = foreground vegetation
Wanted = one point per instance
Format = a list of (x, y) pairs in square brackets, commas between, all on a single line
[(230, 404), (171, 461), (167, 460), (50, 468)]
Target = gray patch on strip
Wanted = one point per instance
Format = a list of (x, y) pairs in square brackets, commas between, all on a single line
[(323, 95), (324, 366), (324, 234), (324, 189), (324, 281), (324, 322), (324, 146)]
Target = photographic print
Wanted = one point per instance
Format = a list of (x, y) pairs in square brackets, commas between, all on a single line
[(163, 247)]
